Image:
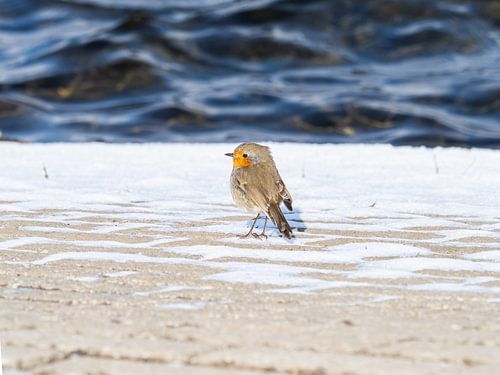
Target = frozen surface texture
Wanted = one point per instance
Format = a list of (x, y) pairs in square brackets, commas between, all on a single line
[(124, 259)]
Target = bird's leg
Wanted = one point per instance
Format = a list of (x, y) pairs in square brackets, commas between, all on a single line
[(263, 234), (251, 229)]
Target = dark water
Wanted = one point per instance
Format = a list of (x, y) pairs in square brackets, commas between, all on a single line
[(399, 71)]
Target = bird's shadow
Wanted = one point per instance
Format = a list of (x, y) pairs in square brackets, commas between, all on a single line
[(294, 218)]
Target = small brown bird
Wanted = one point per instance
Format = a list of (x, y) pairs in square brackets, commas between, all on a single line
[(257, 186)]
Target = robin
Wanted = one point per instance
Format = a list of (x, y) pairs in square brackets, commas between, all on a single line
[(257, 186)]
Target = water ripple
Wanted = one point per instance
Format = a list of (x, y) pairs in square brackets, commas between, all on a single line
[(403, 72)]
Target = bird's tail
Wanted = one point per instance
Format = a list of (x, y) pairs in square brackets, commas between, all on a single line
[(277, 217)]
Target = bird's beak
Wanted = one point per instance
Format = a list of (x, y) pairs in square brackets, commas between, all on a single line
[(230, 154)]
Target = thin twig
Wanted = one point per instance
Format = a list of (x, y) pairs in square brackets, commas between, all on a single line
[(469, 166), (436, 166)]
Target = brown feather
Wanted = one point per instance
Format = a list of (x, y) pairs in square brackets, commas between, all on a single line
[(279, 220)]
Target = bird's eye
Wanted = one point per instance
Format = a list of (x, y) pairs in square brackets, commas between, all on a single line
[(245, 155)]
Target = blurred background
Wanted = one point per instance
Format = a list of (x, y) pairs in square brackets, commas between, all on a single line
[(394, 71)]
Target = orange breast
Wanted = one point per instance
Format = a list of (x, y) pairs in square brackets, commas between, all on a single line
[(241, 162)]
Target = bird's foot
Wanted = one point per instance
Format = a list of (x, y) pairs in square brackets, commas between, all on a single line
[(260, 236)]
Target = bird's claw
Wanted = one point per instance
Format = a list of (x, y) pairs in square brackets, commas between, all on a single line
[(254, 235), (260, 236)]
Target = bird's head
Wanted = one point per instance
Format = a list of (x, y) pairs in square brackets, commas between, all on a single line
[(248, 154)]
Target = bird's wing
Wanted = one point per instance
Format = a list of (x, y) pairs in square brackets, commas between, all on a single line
[(254, 190), (285, 194)]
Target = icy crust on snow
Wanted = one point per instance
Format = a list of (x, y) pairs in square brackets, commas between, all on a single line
[(365, 216), (191, 181)]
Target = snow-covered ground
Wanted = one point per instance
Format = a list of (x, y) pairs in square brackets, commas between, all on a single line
[(366, 215)]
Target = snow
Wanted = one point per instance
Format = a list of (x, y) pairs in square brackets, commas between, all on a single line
[(11, 244), (350, 253), (97, 256), (493, 255), (184, 179), (373, 215), (184, 306)]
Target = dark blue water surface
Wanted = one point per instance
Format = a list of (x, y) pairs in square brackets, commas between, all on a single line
[(398, 71)]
